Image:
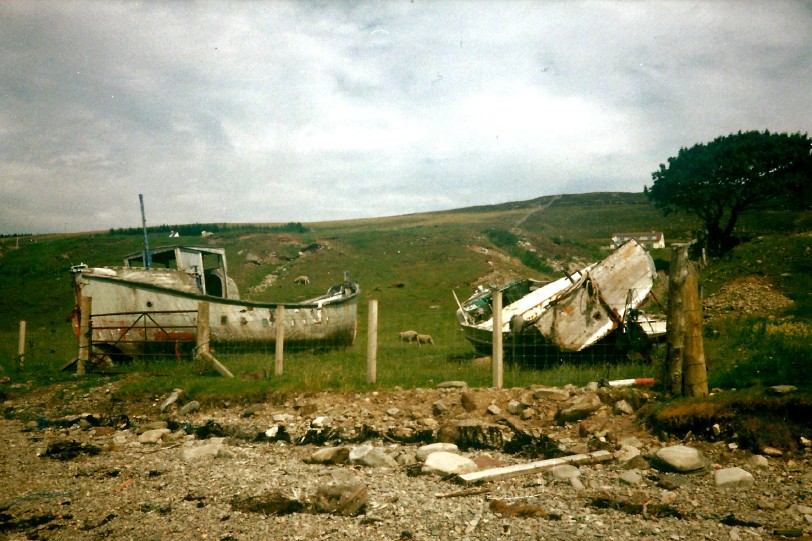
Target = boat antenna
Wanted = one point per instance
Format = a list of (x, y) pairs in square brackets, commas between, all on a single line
[(147, 252)]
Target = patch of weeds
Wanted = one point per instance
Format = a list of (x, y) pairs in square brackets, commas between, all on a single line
[(68, 450), (273, 503)]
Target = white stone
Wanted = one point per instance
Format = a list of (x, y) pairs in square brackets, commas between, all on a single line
[(626, 453), (622, 407), (446, 463), (631, 477), (733, 478), (424, 451), (758, 461), (367, 455), (551, 393), (564, 471), (681, 458)]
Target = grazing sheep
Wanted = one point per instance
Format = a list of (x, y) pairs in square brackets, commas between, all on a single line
[(424, 339), (302, 280), (408, 336)]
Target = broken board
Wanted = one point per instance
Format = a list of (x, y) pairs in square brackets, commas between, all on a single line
[(530, 468)]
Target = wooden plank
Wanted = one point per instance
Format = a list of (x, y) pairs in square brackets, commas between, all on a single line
[(203, 329), (208, 357), (530, 468)]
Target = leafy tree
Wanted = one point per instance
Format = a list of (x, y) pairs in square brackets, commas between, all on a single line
[(719, 180)]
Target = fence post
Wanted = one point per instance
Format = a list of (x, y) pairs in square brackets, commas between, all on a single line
[(372, 343), (695, 378), (21, 346), (85, 335), (498, 354), (203, 329), (280, 339), (685, 371)]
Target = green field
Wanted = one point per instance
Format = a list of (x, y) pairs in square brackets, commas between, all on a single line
[(411, 265)]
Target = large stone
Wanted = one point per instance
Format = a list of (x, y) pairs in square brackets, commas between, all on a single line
[(207, 451), (626, 453), (580, 408), (373, 457), (190, 407), (680, 459), (469, 401), (758, 461), (563, 472), (622, 407), (445, 463), (551, 393), (515, 407), (439, 408), (452, 385), (330, 455), (631, 477), (424, 451), (733, 478), (153, 436)]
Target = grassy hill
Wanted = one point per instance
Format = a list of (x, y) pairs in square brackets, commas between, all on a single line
[(410, 264)]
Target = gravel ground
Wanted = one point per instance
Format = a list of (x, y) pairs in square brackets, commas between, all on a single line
[(152, 491)]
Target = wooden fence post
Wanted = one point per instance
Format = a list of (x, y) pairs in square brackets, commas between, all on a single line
[(85, 335), (685, 371), (203, 329), (280, 339), (695, 372), (498, 354), (21, 346), (372, 343)]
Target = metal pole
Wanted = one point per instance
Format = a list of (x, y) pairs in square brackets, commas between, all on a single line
[(147, 251)]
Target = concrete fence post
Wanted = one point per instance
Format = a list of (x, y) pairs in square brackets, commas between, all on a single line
[(372, 343), (498, 353)]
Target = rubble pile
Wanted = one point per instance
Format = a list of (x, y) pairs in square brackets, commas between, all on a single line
[(452, 462)]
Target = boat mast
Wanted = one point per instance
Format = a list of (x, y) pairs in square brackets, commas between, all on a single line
[(147, 252)]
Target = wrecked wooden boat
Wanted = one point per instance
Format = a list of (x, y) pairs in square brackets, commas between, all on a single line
[(569, 314), (150, 305)]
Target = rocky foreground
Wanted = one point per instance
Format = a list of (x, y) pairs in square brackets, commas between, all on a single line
[(446, 463)]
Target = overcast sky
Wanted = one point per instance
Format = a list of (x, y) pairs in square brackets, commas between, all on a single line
[(282, 111)]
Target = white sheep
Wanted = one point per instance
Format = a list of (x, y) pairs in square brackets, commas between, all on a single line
[(408, 336), (302, 280), (424, 339)]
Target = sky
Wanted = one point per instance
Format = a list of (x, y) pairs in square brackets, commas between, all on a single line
[(297, 111)]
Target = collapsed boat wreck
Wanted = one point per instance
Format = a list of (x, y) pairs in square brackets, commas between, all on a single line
[(150, 304), (570, 314)]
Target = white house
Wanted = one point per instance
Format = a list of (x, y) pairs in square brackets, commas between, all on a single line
[(647, 239)]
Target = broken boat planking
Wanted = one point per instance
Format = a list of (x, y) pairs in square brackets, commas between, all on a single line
[(517, 470), (571, 313), (142, 309)]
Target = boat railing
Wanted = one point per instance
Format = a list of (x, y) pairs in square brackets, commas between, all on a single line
[(143, 328)]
